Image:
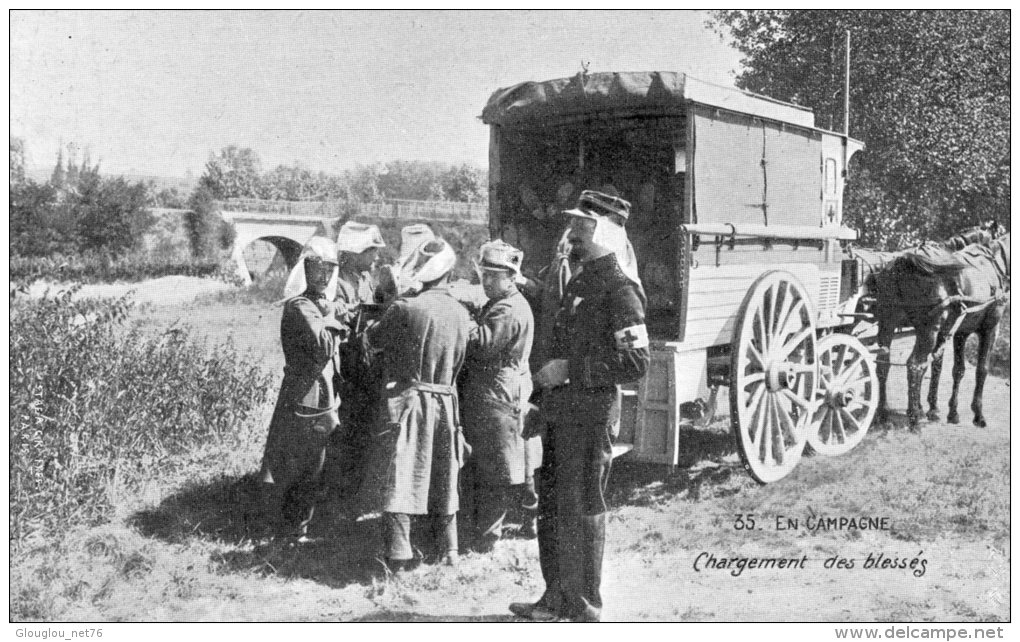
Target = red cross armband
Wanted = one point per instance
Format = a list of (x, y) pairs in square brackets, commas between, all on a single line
[(632, 338)]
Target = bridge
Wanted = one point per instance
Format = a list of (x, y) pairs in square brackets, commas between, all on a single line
[(288, 225), (288, 233)]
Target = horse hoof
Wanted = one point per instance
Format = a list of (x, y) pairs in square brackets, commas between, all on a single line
[(933, 415), (953, 418), (980, 422)]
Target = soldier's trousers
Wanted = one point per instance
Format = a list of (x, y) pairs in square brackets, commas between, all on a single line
[(572, 521), (291, 487), (483, 505)]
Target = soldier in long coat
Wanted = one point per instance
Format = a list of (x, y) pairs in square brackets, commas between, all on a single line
[(419, 446), (495, 384), (306, 409), (599, 342), (357, 383)]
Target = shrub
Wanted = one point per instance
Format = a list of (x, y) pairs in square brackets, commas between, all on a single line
[(97, 407), (40, 223), (206, 231)]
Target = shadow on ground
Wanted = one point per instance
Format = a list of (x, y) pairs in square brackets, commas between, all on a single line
[(405, 616), (339, 550), (707, 458)]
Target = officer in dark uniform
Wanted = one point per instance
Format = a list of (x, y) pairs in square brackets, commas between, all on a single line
[(599, 342)]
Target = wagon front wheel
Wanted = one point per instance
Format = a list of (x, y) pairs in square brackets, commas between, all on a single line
[(773, 376), (846, 396)]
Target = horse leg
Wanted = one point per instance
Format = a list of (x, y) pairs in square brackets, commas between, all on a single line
[(959, 367), (933, 386), (917, 364), (882, 357), (986, 340)]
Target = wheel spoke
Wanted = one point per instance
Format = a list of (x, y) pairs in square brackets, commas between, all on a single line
[(794, 312), (839, 363), (849, 422), (785, 309), (752, 377), (837, 420), (765, 443), (769, 302), (759, 323), (754, 354), (778, 443), (787, 423), (792, 344), (754, 406), (800, 401), (825, 427), (850, 373)]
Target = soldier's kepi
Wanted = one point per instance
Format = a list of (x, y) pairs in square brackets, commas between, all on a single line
[(599, 342)]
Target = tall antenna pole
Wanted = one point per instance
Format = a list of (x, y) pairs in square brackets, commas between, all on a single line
[(846, 90)]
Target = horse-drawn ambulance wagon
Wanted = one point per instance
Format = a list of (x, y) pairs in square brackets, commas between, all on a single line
[(736, 221)]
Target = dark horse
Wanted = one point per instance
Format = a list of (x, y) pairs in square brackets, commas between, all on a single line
[(981, 291), (917, 289)]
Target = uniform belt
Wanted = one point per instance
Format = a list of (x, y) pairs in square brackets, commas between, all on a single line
[(434, 388)]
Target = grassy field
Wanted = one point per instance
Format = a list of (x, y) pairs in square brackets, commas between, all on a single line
[(176, 547)]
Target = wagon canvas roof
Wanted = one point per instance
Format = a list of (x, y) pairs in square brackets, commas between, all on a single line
[(654, 92)]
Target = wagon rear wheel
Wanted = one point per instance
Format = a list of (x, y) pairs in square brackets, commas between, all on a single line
[(773, 375), (846, 395)]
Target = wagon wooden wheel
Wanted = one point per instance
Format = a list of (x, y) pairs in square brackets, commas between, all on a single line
[(773, 375), (846, 395)]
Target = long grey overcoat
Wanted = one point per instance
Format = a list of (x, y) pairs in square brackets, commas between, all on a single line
[(418, 446)]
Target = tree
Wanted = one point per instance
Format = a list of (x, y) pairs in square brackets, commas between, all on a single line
[(40, 224), (203, 223), (57, 178), (929, 96), (73, 171), (364, 183), (17, 168), (235, 173), (412, 180), (463, 183), (112, 214)]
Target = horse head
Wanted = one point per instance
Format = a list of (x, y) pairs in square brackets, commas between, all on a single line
[(995, 228), (1001, 251)]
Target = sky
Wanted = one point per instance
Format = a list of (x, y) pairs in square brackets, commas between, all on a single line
[(156, 92)]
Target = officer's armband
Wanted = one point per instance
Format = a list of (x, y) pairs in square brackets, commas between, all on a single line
[(632, 338)]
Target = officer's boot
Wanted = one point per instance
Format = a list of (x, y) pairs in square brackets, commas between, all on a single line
[(529, 507), (582, 540), (550, 605)]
